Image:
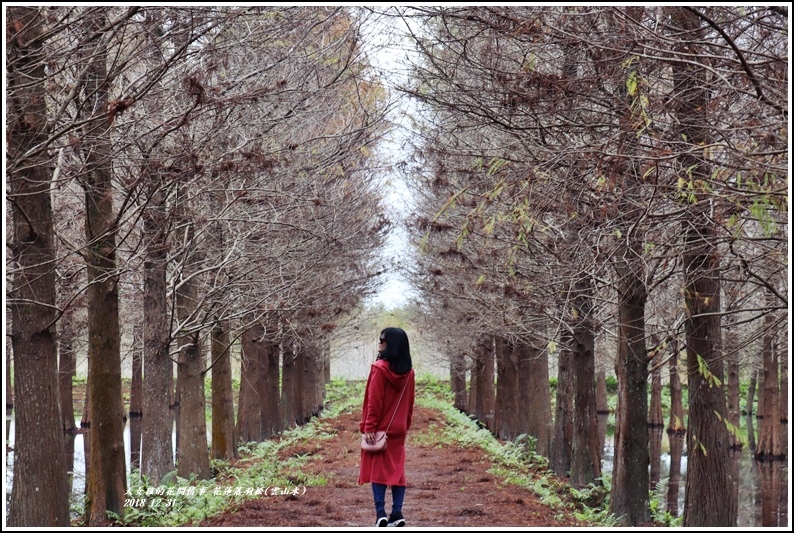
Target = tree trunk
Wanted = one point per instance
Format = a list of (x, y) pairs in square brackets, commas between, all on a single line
[(85, 428), (158, 367), (474, 372), (483, 409), (602, 405), (707, 437), (655, 415), (655, 422), (108, 480), (769, 436), (630, 484), (191, 449), (224, 443), (457, 373), (299, 385), (326, 363), (308, 390), (585, 460), (562, 445), (760, 409), (305, 389), (749, 411), (191, 452), (539, 406), (477, 377), (9, 388), (160, 404), (272, 405), (674, 484), (287, 384), (136, 399), (676, 423), (602, 410), (620, 414), (784, 399), (562, 449), (734, 419), (261, 365), (136, 434), (630, 478), (505, 417), (312, 373), (39, 495), (67, 369), (524, 385), (176, 407), (655, 452), (248, 427), (317, 385), (68, 448)]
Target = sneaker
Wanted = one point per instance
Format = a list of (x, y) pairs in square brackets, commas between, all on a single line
[(396, 520), (381, 521)]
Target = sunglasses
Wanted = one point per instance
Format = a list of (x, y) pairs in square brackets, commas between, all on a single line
[(381, 340)]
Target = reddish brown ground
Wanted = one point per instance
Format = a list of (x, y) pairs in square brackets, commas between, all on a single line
[(447, 487)]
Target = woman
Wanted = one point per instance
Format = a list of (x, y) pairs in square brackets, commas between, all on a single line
[(388, 403)]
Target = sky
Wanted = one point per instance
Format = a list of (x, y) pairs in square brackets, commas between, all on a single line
[(396, 290)]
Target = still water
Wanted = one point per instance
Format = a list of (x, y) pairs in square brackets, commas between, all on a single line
[(76, 447), (762, 490)]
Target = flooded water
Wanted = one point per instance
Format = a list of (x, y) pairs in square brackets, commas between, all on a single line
[(761, 488), (75, 449)]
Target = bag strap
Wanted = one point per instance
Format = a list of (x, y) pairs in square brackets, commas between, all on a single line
[(398, 404)]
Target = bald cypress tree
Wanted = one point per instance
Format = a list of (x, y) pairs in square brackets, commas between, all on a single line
[(39, 496)]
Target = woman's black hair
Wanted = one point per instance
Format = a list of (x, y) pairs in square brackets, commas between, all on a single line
[(397, 352)]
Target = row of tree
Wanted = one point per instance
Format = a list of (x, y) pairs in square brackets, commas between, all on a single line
[(185, 177), (615, 175)]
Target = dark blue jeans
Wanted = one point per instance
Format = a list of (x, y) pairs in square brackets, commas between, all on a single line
[(397, 497)]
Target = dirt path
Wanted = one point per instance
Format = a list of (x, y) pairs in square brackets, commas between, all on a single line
[(447, 487)]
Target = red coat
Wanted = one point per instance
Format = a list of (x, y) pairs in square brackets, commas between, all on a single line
[(380, 399)]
